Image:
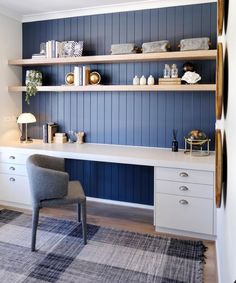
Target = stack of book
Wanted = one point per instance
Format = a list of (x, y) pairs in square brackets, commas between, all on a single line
[(49, 131), (60, 138), (169, 81), (53, 49)]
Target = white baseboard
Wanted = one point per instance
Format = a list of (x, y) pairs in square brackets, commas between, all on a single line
[(218, 262), (121, 203), (99, 200)]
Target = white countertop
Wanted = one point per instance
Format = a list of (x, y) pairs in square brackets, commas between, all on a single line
[(136, 155)]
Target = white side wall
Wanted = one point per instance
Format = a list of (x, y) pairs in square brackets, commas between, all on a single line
[(10, 104), (226, 215)]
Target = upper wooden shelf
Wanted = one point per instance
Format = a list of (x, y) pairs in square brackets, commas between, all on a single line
[(175, 55), (105, 88)]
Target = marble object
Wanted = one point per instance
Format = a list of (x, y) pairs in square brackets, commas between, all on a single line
[(191, 77)]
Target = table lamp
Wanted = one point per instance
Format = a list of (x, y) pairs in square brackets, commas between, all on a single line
[(26, 118)]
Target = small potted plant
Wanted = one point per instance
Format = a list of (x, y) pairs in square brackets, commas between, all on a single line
[(33, 79)]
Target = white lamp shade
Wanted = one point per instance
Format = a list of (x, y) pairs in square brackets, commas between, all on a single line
[(26, 118)]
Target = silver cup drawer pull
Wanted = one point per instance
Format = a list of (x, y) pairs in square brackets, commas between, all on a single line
[(183, 188), (12, 179), (183, 201), (12, 168), (12, 157), (183, 174)]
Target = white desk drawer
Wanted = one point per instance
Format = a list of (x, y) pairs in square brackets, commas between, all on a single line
[(14, 189), (14, 158), (184, 175), (13, 169), (184, 213), (184, 189)]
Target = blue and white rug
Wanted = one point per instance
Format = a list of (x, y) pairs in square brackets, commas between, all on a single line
[(110, 256)]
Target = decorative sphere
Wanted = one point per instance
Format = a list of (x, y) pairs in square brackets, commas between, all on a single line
[(69, 79), (94, 78)]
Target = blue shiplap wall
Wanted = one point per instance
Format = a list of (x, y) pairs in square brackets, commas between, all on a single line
[(133, 118)]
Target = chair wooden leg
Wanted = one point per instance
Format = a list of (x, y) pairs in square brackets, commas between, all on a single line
[(84, 221), (79, 213), (35, 220)]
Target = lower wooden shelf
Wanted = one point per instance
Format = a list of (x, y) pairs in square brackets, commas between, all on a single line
[(104, 88)]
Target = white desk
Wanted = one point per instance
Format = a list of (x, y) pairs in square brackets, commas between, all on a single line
[(198, 197)]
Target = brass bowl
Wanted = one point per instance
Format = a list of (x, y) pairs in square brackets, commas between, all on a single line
[(69, 79), (94, 78)]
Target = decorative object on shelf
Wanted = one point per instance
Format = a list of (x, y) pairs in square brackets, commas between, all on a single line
[(143, 81), (174, 141), (156, 46), (80, 137), (33, 79), (220, 16), (26, 118), (188, 66), (218, 167), (195, 142), (123, 48), (166, 71), (43, 48), (71, 48), (72, 136), (69, 79), (94, 78), (150, 80), (174, 71), (169, 81), (191, 77), (60, 138), (201, 43), (219, 81), (136, 80)]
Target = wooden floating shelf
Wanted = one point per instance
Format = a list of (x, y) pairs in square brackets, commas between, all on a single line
[(104, 88), (146, 57)]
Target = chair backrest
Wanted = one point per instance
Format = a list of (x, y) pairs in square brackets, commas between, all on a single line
[(46, 177)]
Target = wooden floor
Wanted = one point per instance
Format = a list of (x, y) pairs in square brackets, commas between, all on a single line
[(131, 219)]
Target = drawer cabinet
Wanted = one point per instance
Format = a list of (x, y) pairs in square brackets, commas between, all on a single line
[(185, 213), (184, 175), (184, 200), (14, 187), (13, 169), (13, 158)]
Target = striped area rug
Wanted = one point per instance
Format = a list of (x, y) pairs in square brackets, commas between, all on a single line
[(110, 256)]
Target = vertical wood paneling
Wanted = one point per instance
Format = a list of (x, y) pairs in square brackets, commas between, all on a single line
[(133, 118)]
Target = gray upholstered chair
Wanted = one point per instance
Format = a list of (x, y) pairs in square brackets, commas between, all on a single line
[(50, 186)]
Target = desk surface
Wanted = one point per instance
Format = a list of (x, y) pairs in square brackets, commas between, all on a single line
[(136, 155)]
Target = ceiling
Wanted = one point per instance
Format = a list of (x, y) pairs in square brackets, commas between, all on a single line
[(30, 10)]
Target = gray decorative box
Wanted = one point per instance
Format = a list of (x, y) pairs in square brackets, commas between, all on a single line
[(201, 43), (123, 48), (156, 46)]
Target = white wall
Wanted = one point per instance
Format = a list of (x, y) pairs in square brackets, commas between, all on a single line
[(226, 215), (10, 104)]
